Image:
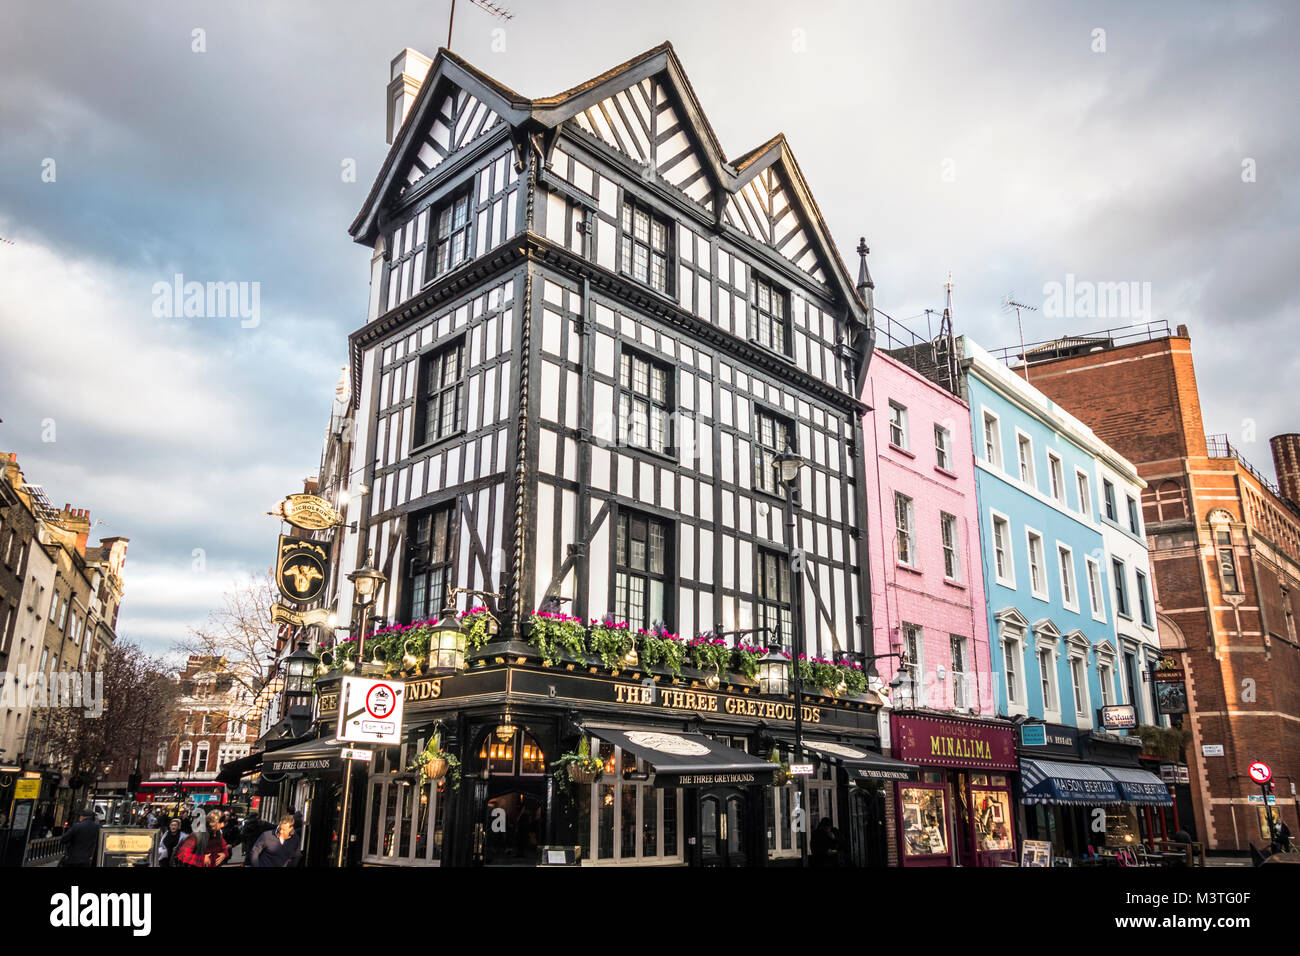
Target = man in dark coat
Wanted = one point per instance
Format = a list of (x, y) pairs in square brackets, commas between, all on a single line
[(81, 840), (254, 826), (277, 847)]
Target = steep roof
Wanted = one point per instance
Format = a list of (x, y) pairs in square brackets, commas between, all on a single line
[(815, 253)]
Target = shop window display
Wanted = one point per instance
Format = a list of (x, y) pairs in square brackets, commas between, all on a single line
[(924, 811), (993, 820), (625, 819), (1121, 826)]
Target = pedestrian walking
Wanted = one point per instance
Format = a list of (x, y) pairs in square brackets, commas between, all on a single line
[(254, 827), (278, 847), (81, 840), (170, 842), (206, 847)]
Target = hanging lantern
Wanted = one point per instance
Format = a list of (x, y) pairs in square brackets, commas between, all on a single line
[(447, 645), (774, 673)]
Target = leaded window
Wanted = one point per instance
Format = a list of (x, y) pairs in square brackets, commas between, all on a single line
[(640, 569), (643, 403), (644, 247), (771, 323), (774, 608), (451, 236), (774, 436), (441, 393), (433, 541)]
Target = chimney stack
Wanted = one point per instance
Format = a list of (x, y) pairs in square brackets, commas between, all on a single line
[(1286, 462), (406, 76)]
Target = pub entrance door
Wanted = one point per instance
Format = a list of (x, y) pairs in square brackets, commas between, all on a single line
[(724, 827), (511, 800), (868, 829)]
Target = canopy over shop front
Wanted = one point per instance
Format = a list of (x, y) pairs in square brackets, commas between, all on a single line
[(322, 755), (1081, 784), (865, 765), (1075, 784), (686, 759), (1141, 787)]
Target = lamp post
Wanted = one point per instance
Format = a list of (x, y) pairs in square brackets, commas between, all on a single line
[(366, 582), (298, 668), (787, 466)]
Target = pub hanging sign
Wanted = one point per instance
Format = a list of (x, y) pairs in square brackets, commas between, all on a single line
[(301, 569)]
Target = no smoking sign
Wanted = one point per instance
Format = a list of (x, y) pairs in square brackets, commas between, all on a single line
[(370, 711)]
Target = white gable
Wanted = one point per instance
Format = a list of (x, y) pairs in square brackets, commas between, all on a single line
[(461, 119), (763, 212), (642, 124)]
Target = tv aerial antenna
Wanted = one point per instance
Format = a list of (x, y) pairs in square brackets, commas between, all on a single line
[(1008, 304), (501, 13)]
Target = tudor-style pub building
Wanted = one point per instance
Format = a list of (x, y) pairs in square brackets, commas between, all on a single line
[(590, 337)]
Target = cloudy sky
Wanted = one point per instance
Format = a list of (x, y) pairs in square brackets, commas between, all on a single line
[(1009, 144)]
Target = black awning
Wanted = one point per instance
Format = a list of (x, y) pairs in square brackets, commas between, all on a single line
[(322, 755), (688, 760), (860, 763), (231, 771)]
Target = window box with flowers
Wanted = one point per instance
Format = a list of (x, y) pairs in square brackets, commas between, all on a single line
[(611, 641), (745, 658), (550, 632), (663, 650), (709, 653)]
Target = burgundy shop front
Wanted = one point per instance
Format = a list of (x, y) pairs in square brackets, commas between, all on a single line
[(959, 810)]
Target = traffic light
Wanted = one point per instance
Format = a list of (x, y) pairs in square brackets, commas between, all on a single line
[(133, 783)]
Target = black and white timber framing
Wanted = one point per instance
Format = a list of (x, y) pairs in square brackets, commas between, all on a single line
[(544, 308)]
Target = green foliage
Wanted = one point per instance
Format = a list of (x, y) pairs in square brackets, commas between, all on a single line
[(610, 642), (709, 653), (745, 660), (549, 632), (1167, 743), (582, 759), (433, 751), (663, 650), (475, 621)]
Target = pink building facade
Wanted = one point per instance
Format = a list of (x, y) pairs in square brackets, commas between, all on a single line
[(927, 584)]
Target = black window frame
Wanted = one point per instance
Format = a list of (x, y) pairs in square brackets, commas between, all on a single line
[(425, 567), (1119, 571), (431, 360), (628, 243), (1134, 522), (769, 483), (623, 565), (628, 391), (1144, 606), (1109, 507), (435, 237), (774, 611), (760, 317)]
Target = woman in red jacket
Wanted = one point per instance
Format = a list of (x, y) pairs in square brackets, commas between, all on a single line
[(205, 848)]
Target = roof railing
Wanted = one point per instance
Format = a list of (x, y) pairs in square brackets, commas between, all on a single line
[(1013, 356), (1218, 446)]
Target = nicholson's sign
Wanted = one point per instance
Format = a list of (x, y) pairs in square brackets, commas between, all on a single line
[(301, 569), (308, 512)]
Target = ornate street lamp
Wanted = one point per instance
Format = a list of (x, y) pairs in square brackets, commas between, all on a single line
[(902, 686), (774, 672), (366, 582), (298, 668), (447, 644)]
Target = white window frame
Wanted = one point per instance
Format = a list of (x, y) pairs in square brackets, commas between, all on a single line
[(905, 530), (961, 677), (1134, 514), (1144, 600), (942, 448), (1048, 680), (1013, 649), (1083, 488), (1056, 478), (407, 813), (1026, 464), (617, 781), (898, 424), (915, 667), (204, 749), (1123, 608), (1096, 588), (1078, 657), (992, 455), (1108, 502), (1106, 676), (1030, 535), (948, 538), (1070, 581), (1009, 579)]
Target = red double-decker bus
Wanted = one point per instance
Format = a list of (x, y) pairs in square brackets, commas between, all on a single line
[(177, 791)]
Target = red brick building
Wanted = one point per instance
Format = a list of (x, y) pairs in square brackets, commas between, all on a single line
[(1225, 550)]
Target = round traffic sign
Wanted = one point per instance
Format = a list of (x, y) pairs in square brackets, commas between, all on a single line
[(1260, 772), (380, 701)]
